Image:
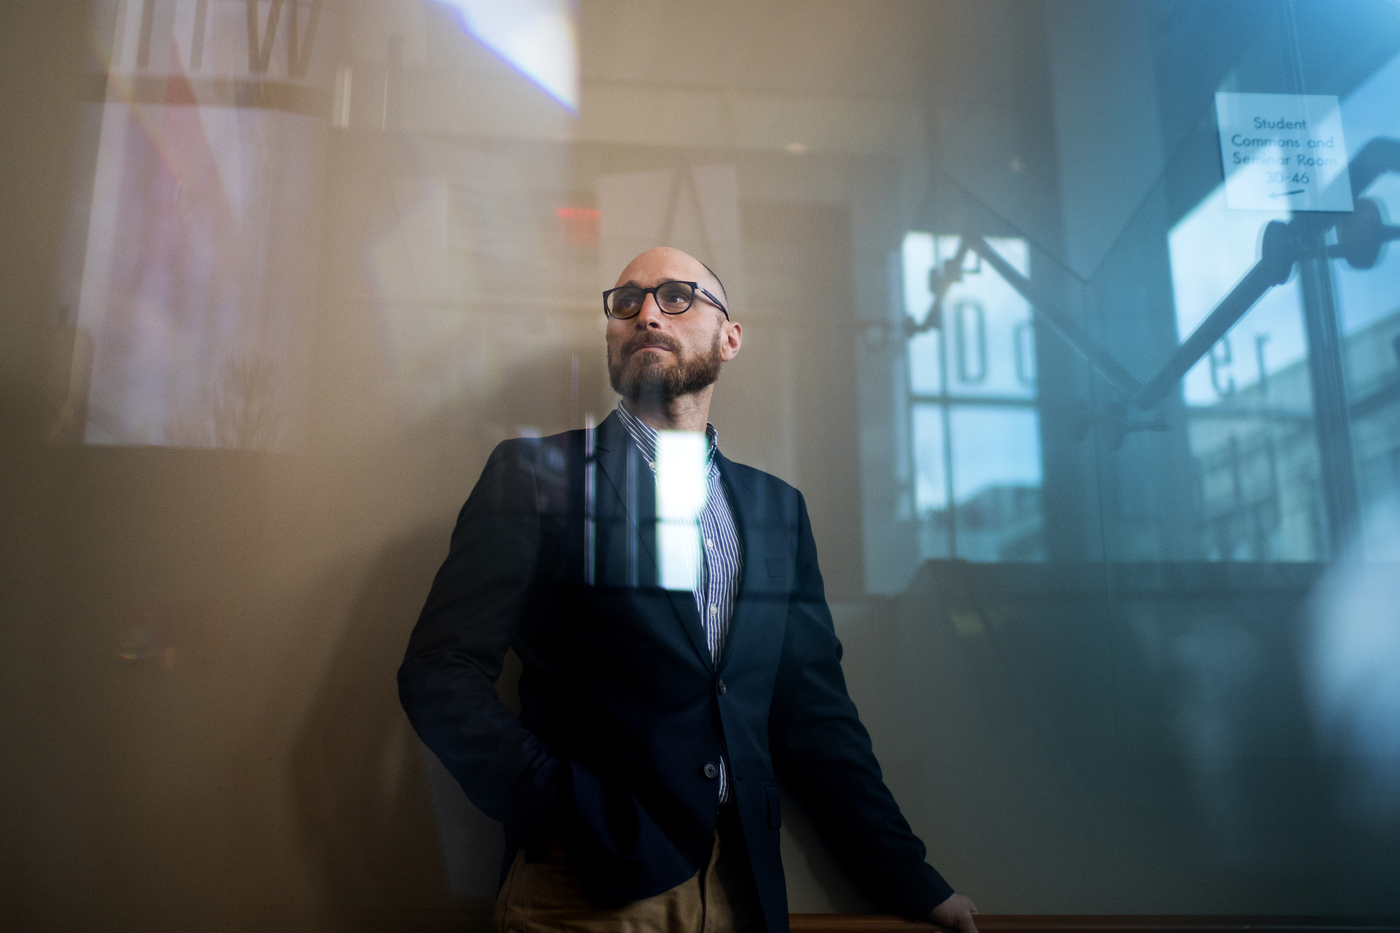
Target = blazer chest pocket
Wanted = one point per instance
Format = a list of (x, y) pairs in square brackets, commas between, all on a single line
[(775, 815), (777, 567)]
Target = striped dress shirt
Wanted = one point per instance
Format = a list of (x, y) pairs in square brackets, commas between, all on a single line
[(722, 559)]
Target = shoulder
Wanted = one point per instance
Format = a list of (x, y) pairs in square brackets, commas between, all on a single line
[(753, 476), (557, 455), (761, 491), (535, 453), (532, 469)]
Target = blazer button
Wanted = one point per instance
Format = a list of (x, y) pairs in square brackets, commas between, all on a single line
[(721, 687), (711, 771)]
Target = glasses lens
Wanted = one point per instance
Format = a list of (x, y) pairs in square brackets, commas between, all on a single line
[(625, 302), (674, 297)]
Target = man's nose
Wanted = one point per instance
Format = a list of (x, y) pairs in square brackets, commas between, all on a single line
[(651, 314)]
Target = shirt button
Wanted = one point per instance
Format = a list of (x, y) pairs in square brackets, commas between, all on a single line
[(710, 771), (709, 543), (714, 608), (721, 687)]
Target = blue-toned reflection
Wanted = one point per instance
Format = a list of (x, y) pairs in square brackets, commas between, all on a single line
[(1252, 431), (996, 483), (1211, 249), (1353, 667), (1250, 397), (972, 385), (1371, 295), (991, 345)]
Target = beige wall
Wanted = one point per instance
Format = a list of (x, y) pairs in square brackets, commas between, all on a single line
[(199, 705)]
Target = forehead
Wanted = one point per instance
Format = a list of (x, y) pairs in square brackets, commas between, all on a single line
[(659, 265)]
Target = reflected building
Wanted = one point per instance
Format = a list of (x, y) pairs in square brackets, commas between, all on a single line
[(1257, 454)]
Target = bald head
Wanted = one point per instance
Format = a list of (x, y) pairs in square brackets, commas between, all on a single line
[(664, 262)]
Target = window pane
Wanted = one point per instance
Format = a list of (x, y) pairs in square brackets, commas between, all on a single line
[(996, 483), (930, 475), (990, 348)]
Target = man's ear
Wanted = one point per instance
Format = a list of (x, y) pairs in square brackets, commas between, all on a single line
[(730, 341)]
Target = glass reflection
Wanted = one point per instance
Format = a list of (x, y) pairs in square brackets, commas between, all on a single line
[(976, 435), (537, 36), (682, 464), (1354, 651), (372, 234), (201, 241)]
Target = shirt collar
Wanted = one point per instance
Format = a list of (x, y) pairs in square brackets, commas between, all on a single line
[(644, 435)]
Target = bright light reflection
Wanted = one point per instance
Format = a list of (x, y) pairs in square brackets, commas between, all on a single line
[(1354, 665), (1211, 249), (190, 268), (917, 255), (680, 497), (536, 36), (1368, 295), (988, 322)]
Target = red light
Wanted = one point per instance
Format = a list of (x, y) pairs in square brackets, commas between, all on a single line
[(579, 225)]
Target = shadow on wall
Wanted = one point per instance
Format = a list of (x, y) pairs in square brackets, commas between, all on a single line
[(389, 833), (364, 786)]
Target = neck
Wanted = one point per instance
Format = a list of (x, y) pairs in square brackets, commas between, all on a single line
[(685, 413)]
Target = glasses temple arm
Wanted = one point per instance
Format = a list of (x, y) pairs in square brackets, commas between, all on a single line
[(716, 301)]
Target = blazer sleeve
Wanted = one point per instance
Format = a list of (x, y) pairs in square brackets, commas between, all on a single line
[(824, 753), (447, 682)]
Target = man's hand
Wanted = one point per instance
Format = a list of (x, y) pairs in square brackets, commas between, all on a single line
[(955, 913)]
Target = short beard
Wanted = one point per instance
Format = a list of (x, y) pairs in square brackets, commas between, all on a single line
[(652, 379)]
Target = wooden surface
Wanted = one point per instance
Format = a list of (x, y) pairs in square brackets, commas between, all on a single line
[(1058, 923)]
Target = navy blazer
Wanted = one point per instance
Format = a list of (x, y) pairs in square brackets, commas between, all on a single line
[(623, 713)]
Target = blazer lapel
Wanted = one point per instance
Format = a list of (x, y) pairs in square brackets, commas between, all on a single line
[(625, 486), (619, 497), (758, 595), (740, 494)]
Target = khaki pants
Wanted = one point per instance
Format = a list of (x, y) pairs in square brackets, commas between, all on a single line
[(546, 896)]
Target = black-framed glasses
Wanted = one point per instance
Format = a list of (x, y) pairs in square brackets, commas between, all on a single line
[(625, 302)]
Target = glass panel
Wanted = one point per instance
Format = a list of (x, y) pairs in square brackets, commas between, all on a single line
[(992, 469), (996, 483), (1211, 249), (1101, 452), (992, 342), (931, 478), (1368, 301), (1249, 400)]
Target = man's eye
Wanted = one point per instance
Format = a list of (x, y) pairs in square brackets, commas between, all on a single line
[(674, 297)]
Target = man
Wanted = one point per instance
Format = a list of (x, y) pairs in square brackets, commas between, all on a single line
[(677, 653)]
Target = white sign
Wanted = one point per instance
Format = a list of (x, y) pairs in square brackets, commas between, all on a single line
[(1283, 152)]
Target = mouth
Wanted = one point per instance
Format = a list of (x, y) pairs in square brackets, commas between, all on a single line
[(654, 345)]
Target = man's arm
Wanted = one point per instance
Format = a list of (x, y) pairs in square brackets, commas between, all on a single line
[(447, 680), (823, 751)]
